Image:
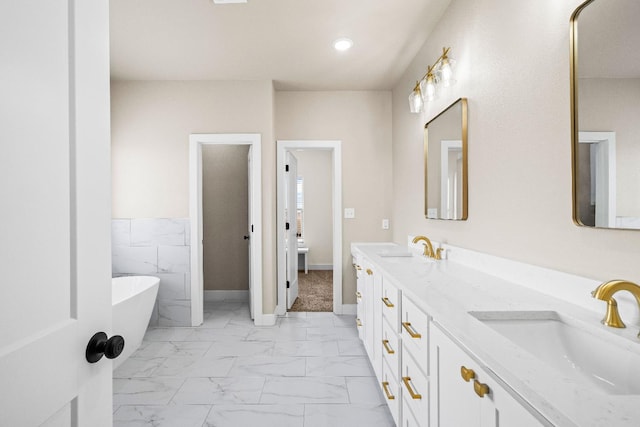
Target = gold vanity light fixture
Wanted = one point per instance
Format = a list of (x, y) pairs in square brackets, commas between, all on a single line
[(438, 74)]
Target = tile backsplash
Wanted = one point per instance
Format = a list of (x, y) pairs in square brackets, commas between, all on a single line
[(157, 247)]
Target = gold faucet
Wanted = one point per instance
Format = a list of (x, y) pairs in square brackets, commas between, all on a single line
[(605, 292), (428, 247)]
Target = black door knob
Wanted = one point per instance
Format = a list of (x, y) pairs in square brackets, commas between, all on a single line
[(100, 346), (246, 237)]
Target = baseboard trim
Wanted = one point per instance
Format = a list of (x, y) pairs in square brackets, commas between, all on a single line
[(350, 309), (226, 295), (317, 267), (265, 320)]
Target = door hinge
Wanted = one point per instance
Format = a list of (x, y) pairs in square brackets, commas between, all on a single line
[(286, 168), (288, 284), (252, 228), (286, 227)]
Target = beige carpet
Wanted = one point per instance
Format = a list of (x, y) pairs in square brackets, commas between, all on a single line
[(315, 291)]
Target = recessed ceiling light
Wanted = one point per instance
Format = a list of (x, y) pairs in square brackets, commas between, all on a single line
[(229, 1), (343, 44)]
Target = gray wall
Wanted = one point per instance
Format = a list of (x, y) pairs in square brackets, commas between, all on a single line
[(225, 217)]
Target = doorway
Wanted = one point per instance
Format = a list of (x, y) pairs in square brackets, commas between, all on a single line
[(288, 212), (225, 219), (254, 219), (597, 180)]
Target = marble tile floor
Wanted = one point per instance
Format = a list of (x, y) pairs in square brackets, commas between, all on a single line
[(309, 370)]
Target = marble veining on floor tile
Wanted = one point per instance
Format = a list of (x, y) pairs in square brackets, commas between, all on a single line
[(309, 369)]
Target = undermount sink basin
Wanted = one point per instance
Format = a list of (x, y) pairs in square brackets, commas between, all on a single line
[(597, 361), (396, 254), (404, 257)]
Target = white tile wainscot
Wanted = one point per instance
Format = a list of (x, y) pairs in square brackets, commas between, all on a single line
[(156, 247), (522, 387)]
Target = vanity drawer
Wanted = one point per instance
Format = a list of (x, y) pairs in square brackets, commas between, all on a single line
[(391, 392), (415, 386), (390, 347), (415, 330), (391, 304)]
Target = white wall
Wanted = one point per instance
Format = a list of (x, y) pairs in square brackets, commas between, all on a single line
[(150, 124), (362, 121), (612, 105), (316, 169), (513, 66)]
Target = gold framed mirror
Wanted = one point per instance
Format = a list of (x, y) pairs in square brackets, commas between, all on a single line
[(445, 164), (605, 106)]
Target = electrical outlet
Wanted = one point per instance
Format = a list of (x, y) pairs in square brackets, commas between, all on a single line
[(349, 213), (385, 224)]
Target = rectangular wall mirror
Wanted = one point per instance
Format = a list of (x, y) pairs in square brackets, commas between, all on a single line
[(445, 163), (605, 106)]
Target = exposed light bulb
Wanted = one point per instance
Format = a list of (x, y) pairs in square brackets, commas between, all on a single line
[(415, 100), (430, 88), (446, 73)]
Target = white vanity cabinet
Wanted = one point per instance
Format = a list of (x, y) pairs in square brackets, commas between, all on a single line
[(414, 372), (463, 394), (369, 316), (359, 296), (391, 348)]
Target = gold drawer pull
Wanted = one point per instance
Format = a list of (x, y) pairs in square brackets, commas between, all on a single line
[(386, 302), (385, 344), (385, 387), (369, 272), (467, 374), (358, 295), (412, 393), (480, 389), (411, 331), (358, 322), (358, 267)]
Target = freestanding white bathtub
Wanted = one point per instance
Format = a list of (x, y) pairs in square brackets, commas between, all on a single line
[(132, 298)]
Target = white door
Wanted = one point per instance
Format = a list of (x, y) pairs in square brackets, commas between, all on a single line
[(249, 235), (55, 218), (291, 232)]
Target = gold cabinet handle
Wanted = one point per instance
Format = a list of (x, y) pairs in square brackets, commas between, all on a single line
[(411, 331), (358, 295), (480, 389), (386, 302), (369, 272), (358, 267), (467, 374), (412, 393), (358, 322), (385, 344), (385, 387)]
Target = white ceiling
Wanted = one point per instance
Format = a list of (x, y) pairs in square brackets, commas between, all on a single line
[(288, 41)]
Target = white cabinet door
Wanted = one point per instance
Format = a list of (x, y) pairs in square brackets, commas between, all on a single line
[(55, 219), (480, 401), (290, 233), (376, 321), (367, 296)]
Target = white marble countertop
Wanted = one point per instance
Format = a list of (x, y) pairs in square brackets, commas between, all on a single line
[(448, 290)]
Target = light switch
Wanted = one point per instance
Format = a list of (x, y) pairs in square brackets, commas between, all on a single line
[(385, 224), (349, 213)]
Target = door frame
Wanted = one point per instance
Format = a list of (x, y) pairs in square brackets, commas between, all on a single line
[(196, 141), (282, 146), (605, 175)]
